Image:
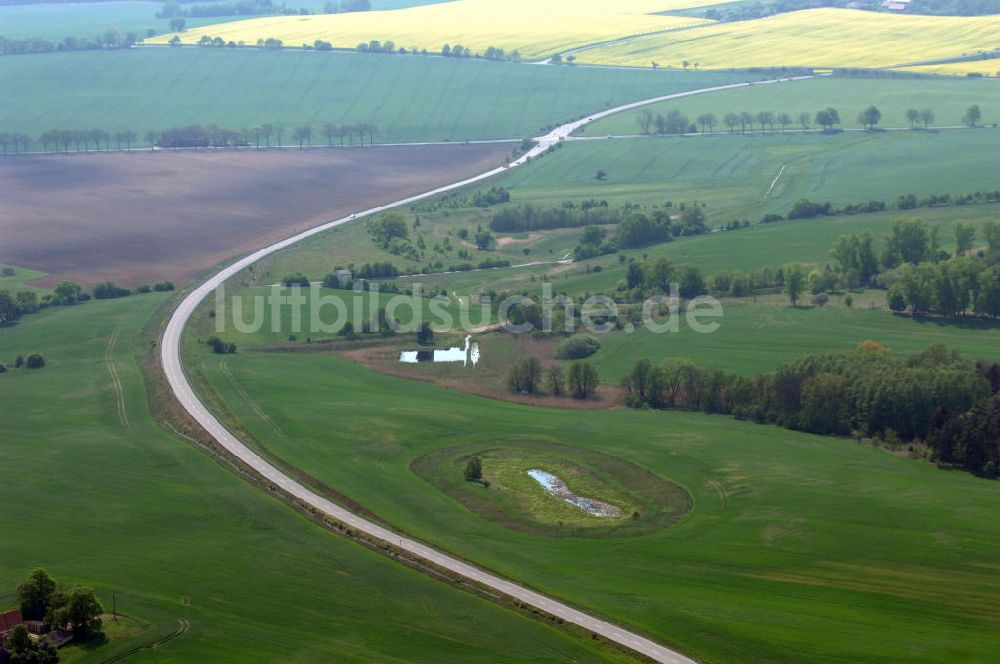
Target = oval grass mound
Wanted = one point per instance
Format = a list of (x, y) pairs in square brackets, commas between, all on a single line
[(509, 496)]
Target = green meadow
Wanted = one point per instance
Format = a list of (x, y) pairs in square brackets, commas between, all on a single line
[(409, 98), (738, 176), (947, 97), (757, 338), (53, 21), (100, 495), (798, 549), (732, 175)]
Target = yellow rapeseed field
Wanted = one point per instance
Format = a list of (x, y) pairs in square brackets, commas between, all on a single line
[(535, 28), (812, 38), (989, 67)]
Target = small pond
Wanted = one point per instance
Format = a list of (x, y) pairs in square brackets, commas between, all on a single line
[(555, 486), (465, 355)]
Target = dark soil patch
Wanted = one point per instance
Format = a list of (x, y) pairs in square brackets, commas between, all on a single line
[(145, 217)]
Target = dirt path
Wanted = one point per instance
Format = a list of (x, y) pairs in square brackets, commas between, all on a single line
[(116, 383)]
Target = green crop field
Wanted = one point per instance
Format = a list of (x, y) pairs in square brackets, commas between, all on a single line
[(822, 37), (53, 21), (948, 98), (57, 20), (799, 549), (409, 98), (98, 494), (757, 338), (732, 174)]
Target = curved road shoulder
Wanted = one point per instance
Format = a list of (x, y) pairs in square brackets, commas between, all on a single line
[(170, 358)]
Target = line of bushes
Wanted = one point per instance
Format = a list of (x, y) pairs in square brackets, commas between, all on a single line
[(937, 398)]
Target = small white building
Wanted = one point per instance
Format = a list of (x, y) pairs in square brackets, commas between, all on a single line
[(896, 5)]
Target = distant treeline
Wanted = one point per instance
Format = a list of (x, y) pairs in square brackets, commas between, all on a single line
[(192, 136), (937, 397), (447, 51), (675, 122), (175, 9), (755, 10), (915, 270), (805, 208), (110, 39)]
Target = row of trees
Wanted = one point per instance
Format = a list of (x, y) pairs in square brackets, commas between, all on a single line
[(936, 396), (675, 122), (33, 361), (15, 305), (109, 39), (192, 136), (528, 377), (645, 278), (805, 208), (914, 269), (636, 228)]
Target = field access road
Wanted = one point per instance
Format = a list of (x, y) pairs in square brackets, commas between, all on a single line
[(170, 358)]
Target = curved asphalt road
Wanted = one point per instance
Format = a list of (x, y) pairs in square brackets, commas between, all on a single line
[(170, 358)]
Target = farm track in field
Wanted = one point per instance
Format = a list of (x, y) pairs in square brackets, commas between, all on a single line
[(116, 382)]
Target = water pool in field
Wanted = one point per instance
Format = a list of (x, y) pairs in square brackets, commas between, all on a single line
[(470, 353), (555, 486)]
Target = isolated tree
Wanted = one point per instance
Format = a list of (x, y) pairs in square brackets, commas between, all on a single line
[(764, 119), (474, 470), (303, 135), (827, 118), (991, 232), (36, 592), (555, 380), (525, 376), (645, 121), (266, 132), (177, 25), (927, 117), (330, 131), (707, 120), (152, 138), (784, 119), (79, 610), (583, 380), (795, 282), (35, 361), (804, 120), (913, 117), (965, 237), (869, 117), (25, 650), (972, 116), (279, 134), (425, 336)]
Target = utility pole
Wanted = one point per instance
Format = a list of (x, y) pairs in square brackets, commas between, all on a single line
[(114, 606)]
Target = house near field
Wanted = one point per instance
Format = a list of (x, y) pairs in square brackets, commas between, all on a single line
[(896, 5), (343, 276), (8, 621), (11, 619)]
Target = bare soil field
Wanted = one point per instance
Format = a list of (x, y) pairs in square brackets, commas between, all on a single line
[(144, 217)]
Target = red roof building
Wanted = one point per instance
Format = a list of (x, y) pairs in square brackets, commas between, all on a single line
[(9, 621)]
